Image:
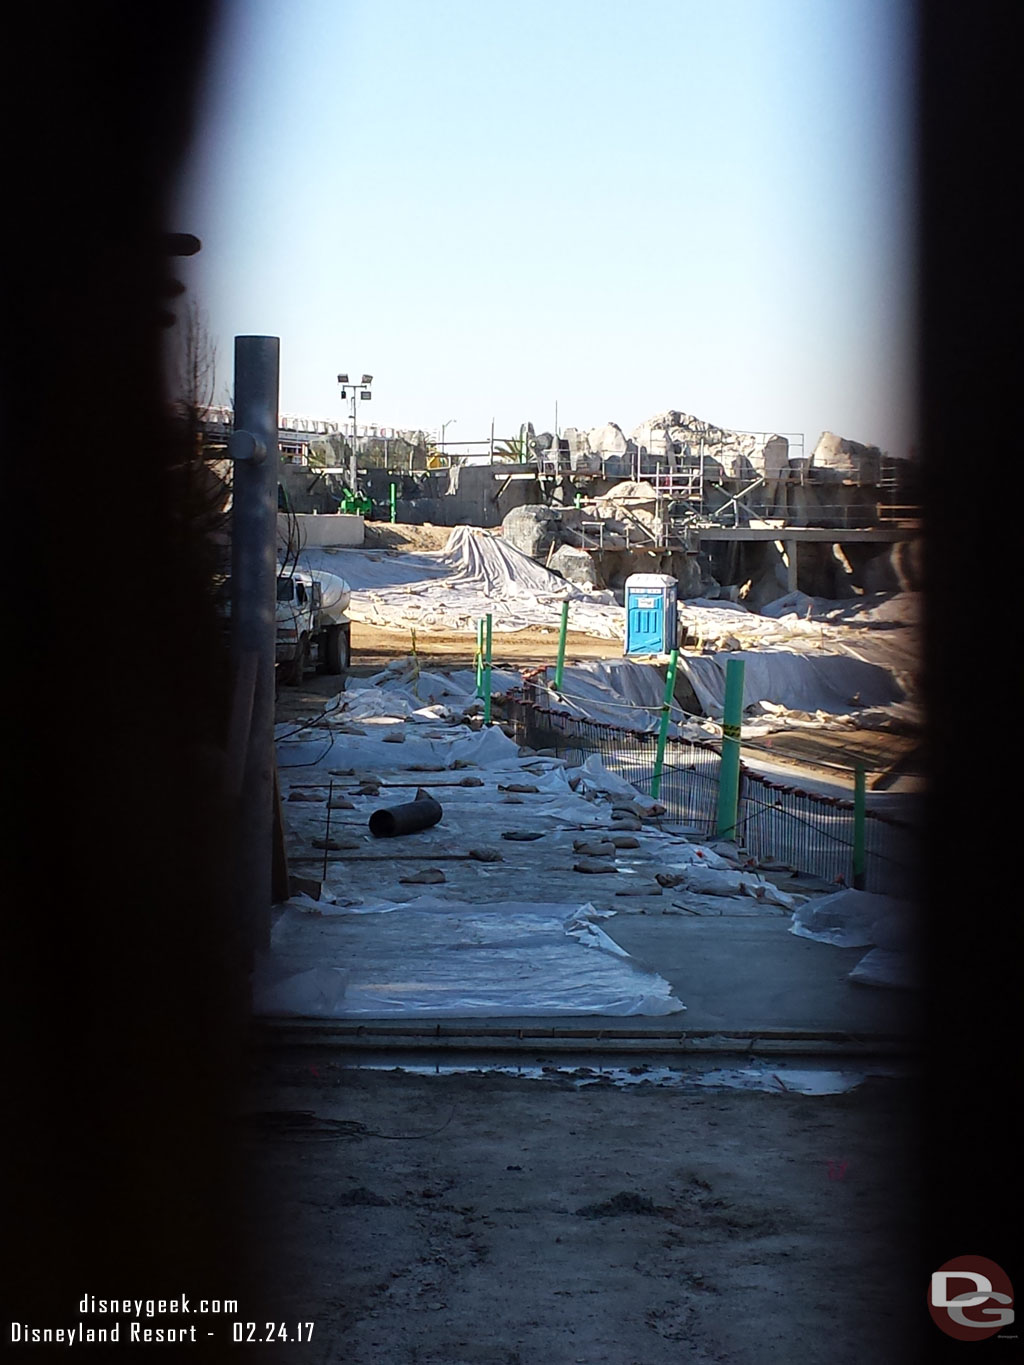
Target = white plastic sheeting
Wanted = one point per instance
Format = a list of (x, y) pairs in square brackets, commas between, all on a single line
[(617, 692), (717, 881), (732, 626), (378, 954), (436, 959), (434, 742), (801, 682), (443, 759), (850, 919), (402, 689), (477, 573), (882, 629), (787, 690), (595, 777), (862, 919), (881, 967), (882, 608)]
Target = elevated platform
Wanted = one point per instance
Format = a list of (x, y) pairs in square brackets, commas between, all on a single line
[(820, 535)]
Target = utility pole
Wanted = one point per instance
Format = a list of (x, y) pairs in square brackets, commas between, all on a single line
[(254, 453)]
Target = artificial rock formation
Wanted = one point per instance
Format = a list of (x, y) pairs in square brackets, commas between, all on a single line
[(575, 565), (846, 459), (535, 531), (671, 439)]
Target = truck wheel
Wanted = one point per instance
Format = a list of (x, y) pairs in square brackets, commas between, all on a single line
[(336, 650), (293, 671)]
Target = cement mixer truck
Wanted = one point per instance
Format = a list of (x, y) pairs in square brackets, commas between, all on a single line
[(312, 627)]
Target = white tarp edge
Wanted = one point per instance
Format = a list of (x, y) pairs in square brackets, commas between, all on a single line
[(865, 919), (439, 959)]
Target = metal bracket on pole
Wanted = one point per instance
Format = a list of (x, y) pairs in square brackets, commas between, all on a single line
[(243, 445)]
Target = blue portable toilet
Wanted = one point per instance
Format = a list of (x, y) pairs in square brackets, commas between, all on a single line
[(651, 626)]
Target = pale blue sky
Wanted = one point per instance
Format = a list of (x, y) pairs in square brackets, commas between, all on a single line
[(496, 205)]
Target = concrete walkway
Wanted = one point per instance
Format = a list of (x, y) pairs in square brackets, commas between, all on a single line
[(746, 979), (745, 974)]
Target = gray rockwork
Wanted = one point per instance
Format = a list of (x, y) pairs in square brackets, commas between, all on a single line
[(676, 440), (575, 565)]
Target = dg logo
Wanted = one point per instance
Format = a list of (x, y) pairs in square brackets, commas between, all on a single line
[(970, 1298)]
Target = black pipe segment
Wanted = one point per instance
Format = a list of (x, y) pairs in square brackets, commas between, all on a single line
[(406, 819)]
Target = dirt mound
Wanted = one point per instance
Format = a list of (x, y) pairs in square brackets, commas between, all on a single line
[(415, 539)]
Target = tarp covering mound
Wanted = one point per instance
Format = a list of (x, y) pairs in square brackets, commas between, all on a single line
[(801, 682), (630, 695), (477, 573), (618, 692)]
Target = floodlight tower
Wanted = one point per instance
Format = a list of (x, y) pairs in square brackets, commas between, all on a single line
[(359, 391)]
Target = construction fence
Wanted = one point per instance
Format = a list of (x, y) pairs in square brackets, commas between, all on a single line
[(806, 831)]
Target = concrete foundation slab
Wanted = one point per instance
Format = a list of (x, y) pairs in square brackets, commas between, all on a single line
[(739, 974), (741, 979)]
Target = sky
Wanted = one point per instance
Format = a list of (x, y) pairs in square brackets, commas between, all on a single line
[(508, 209)]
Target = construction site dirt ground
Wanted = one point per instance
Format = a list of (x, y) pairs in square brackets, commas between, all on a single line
[(485, 1219), (432, 1208)]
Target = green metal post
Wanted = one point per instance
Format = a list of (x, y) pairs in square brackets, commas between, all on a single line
[(670, 691), (859, 803), (480, 657), (561, 646), (729, 778), (394, 503), (487, 670)]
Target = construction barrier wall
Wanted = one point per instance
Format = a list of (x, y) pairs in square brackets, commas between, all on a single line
[(805, 831)]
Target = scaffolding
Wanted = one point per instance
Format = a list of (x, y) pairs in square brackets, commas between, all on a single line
[(898, 501)]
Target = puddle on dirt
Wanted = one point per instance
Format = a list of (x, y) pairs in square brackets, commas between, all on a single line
[(776, 1077)]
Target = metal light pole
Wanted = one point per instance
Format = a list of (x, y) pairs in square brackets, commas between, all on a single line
[(253, 450), (360, 390), (444, 427)]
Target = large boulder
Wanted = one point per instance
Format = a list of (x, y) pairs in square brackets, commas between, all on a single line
[(575, 565), (532, 530), (607, 440), (582, 460), (634, 506), (847, 459)]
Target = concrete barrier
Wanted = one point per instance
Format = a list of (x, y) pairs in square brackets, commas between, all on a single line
[(332, 529)]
